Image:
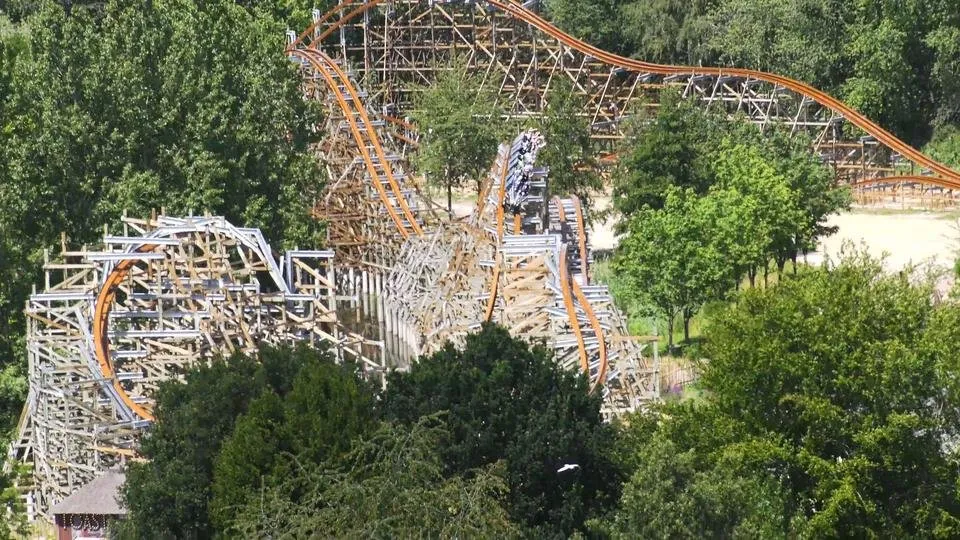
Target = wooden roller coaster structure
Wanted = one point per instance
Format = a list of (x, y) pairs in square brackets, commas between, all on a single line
[(114, 322), (397, 46)]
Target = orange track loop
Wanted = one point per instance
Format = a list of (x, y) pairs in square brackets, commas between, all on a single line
[(517, 224), (371, 169), (100, 321), (374, 140), (950, 177)]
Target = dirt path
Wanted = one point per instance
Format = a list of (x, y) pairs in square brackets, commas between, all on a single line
[(906, 238)]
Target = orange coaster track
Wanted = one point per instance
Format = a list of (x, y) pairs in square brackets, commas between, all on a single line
[(521, 52)]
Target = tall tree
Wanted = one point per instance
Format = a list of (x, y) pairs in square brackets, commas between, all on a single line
[(569, 153), (672, 258), (509, 402), (669, 31), (461, 123), (828, 411), (133, 106), (666, 151), (169, 496), (596, 22)]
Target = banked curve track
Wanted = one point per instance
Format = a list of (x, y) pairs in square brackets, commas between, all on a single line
[(943, 177)]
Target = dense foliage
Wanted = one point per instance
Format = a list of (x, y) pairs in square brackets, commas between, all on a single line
[(392, 485), (895, 61), (234, 425), (704, 203), (127, 106), (829, 410), (471, 442), (509, 402)]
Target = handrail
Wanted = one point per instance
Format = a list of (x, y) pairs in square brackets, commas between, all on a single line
[(374, 140), (533, 19), (368, 162)]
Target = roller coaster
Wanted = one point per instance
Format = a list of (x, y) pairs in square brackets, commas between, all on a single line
[(113, 322)]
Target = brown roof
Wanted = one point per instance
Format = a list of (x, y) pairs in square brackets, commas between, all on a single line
[(99, 497)]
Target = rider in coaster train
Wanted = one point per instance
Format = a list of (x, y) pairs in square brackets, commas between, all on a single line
[(518, 185)]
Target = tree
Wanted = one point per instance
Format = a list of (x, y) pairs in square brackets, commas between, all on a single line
[(506, 401), (802, 39), (392, 485), (945, 145), (312, 422), (669, 31), (680, 489), (672, 258), (666, 151), (833, 394), (596, 22), (13, 259), (133, 106), (569, 153), (169, 495), (461, 123), (12, 511)]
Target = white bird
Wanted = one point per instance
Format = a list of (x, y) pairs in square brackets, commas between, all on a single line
[(568, 467)]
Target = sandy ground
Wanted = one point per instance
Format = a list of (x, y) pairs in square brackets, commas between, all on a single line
[(905, 238), (902, 237)]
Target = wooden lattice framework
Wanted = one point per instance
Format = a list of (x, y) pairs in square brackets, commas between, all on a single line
[(397, 46), (112, 323)]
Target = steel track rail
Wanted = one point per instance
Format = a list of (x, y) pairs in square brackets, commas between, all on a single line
[(101, 318), (567, 294), (495, 284)]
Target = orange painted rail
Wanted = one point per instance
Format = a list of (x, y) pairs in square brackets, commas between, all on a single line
[(501, 195), (321, 63), (101, 340), (948, 177), (572, 310), (582, 298)]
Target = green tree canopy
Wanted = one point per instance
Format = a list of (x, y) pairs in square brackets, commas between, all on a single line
[(460, 122), (831, 397), (668, 150), (391, 485), (310, 423), (169, 496), (509, 402), (125, 106)]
